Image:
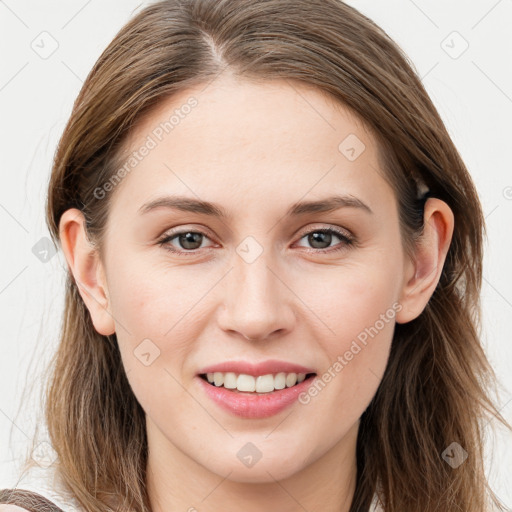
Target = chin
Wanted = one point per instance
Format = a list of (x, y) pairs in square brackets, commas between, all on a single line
[(260, 473), (250, 464)]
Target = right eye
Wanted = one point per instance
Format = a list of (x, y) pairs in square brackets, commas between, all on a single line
[(188, 241)]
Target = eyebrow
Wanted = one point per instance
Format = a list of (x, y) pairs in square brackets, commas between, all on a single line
[(187, 204)]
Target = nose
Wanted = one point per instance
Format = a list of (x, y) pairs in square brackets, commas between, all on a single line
[(256, 300)]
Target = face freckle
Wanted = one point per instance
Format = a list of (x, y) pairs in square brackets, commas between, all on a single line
[(250, 291)]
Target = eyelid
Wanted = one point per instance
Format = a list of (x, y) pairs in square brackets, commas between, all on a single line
[(325, 227), (348, 240), (171, 233), (346, 237), (185, 228)]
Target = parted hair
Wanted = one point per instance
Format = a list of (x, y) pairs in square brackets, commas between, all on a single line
[(438, 384)]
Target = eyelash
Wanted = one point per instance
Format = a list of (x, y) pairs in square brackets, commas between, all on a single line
[(347, 241)]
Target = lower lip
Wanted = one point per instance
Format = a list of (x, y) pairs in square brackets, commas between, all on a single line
[(252, 405)]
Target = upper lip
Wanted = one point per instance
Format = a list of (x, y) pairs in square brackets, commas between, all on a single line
[(256, 369)]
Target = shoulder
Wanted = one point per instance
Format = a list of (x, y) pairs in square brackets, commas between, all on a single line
[(40, 485), (376, 505), (21, 500)]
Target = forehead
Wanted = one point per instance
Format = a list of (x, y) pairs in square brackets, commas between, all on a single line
[(234, 137)]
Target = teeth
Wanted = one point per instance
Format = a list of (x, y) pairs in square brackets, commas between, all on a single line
[(218, 378), (229, 380), (261, 384), (291, 380)]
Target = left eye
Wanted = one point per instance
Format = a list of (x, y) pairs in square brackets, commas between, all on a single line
[(324, 237)]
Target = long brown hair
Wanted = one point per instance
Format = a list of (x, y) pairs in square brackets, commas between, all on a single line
[(436, 388)]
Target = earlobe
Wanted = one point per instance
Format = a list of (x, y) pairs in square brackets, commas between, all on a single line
[(422, 275), (86, 268)]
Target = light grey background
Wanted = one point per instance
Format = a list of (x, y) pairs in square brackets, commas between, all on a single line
[(471, 87)]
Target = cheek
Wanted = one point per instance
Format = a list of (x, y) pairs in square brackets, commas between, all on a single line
[(150, 299), (351, 298), (154, 333), (158, 313), (357, 308)]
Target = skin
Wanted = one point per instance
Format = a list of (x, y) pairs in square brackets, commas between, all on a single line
[(254, 148)]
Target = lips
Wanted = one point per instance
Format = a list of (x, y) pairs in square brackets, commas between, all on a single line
[(253, 405), (256, 369)]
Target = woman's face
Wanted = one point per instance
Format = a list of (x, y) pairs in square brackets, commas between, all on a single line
[(261, 282)]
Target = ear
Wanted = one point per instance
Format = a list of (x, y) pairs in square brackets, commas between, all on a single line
[(87, 269), (423, 272)]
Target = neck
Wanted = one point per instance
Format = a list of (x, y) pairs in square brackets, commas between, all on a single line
[(177, 482)]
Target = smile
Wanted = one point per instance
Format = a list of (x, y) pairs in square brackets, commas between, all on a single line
[(254, 404), (261, 385)]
